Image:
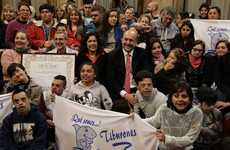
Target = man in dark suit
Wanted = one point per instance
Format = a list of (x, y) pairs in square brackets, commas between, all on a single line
[(121, 78)]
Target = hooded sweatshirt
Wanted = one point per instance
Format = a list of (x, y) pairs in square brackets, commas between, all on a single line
[(24, 132), (95, 95)]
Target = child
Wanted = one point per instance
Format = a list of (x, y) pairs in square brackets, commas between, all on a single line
[(210, 135), (178, 121), (90, 92)]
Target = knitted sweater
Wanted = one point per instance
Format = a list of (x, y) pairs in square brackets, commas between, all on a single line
[(181, 130)]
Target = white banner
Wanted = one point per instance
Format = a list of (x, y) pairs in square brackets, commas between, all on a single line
[(211, 31), (44, 67), (81, 127), (5, 106)]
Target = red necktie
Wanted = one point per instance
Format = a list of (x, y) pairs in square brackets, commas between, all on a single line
[(127, 73)]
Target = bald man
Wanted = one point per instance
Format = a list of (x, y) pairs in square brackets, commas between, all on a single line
[(117, 70), (152, 10)]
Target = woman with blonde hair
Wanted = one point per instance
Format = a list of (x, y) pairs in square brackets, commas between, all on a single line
[(170, 71), (8, 14)]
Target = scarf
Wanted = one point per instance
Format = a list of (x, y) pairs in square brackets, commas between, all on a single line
[(195, 62)]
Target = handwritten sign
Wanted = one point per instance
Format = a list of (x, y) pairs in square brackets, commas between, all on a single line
[(211, 31), (43, 67), (84, 127)]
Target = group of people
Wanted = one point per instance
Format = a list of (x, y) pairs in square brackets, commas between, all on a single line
[(150, 65)]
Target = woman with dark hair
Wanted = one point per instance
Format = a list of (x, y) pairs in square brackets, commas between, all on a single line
[(203, 11), (170, 71), (178, 122), (185, 38), (75, 29), (155, 52), (216, 68), (194, 65), (111, 33), (92, 51), (217, 73)]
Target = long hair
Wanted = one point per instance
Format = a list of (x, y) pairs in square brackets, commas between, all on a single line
[(149, 46), (107, 27), (189, 24), (80, 21), (84, 48), (189, 40)]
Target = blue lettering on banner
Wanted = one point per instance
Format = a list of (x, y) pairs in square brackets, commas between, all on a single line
[(126, 144), (80, 120), (216, 29), (112, 136)]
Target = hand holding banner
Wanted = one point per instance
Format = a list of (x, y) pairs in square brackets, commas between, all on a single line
[(83, 127)]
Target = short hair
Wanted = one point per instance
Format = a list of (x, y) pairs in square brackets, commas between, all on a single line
[(90, 64), (24, 4), (179, 87), (62, 78), (19, 90), (217, 9), (60, 24), (199, 42), (168, 11), (207, 95), (47, 6), (204, 5), (12, 68), (141, 75), (64, 33), (130, 7)]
